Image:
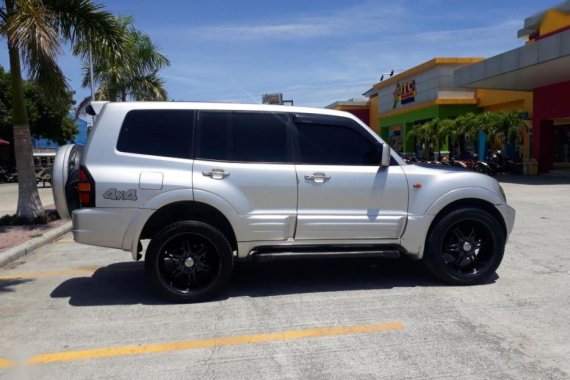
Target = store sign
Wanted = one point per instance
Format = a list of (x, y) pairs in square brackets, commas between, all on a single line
[(405, 93)]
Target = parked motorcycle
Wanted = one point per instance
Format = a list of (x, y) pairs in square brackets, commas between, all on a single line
[(500, 163), (496, 163), (484, 167), (8, 176), (410, 158)]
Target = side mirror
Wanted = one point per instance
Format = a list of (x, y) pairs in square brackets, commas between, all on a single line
[(385, 155)]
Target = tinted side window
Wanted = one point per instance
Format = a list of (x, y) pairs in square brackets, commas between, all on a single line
[(335, 145), (165, 133), (243, 137), (213, 136)]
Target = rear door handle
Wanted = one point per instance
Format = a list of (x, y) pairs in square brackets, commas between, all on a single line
[(318, 177), (216, 173)]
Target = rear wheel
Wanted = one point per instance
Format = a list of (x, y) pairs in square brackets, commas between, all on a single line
[(188, 261), (465, 247)]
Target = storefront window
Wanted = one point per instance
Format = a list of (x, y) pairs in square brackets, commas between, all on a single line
[(562, 143)]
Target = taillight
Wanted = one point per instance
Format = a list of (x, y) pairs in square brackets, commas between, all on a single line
[(86, 188)]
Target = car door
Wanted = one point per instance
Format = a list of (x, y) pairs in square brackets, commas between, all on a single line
[(245, 159), (344, 193)]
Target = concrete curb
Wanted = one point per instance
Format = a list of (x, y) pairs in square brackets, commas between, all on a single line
[(26, 248)]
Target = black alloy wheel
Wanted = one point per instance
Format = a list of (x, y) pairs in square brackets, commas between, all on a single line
[(188, 261), (465, 247)]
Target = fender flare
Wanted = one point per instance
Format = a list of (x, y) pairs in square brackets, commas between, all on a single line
[(463, 193), (418, 225), (133, 232)]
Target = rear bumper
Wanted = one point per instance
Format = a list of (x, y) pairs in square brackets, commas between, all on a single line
[(103, 227)]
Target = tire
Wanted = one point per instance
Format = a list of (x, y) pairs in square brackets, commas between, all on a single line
[(188, 261), (465, 247)]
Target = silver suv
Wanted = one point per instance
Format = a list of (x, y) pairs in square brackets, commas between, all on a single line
[(210, 184)]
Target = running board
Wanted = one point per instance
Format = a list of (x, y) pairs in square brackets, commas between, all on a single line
[(316, 252)]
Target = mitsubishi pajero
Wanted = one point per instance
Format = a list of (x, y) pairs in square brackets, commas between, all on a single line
[(209, 184)]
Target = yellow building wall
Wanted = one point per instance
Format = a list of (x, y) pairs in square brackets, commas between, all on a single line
[(501, 100), (554, 20), (374, 106)]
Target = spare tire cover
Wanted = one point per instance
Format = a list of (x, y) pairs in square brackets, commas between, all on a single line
[(65, 179)]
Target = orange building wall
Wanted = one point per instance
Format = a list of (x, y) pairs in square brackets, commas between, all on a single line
[(374, 117), (500, 100)]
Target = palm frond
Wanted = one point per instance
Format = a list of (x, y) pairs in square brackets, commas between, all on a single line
[(131, 75), (148, 87), (44, 70), (147, 54), (31, 27), (83, 20)]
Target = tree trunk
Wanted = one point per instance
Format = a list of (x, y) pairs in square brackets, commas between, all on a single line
[(29, 203)]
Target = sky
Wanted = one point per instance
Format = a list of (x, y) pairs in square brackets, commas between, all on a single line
[(315, 52)]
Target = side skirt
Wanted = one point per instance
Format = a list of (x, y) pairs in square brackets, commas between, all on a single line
[(265, 253)]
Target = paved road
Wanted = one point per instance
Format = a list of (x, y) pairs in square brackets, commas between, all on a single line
[(84, 312), (9, 197)]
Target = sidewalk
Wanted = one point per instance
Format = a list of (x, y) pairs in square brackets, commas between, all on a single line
[(11, 236), (17, 241)]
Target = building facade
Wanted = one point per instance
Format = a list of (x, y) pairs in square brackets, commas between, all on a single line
[(424, 92), (541, 66), (418, 95)]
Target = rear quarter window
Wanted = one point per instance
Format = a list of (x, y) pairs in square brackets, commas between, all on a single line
[(166, 133)]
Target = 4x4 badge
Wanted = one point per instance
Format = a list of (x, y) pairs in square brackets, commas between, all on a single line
[(118, 195)]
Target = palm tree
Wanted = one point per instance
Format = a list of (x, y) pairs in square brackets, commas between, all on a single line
[(35, 30), (134, 77), (425, 135), (467, 126), (509, 124)]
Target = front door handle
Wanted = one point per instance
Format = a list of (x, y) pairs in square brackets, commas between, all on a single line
[(318, 177), (216, 173)]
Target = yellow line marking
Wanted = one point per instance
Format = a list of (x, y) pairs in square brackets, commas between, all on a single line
[(5, 363), (212, 342), (68, 272)]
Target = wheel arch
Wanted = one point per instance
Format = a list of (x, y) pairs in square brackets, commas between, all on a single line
[(469, 203), (188, 210)]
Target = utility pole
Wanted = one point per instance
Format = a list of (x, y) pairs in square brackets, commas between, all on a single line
[(91, 74)]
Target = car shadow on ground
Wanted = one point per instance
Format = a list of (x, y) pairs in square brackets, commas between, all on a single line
[(6, 285), (124, 283)]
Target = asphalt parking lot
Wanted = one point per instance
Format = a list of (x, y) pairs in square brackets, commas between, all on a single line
[(73, 311)]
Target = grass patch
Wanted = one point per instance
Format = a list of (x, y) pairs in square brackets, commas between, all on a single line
[(14, 220)]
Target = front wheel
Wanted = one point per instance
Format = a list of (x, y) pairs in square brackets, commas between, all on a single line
[(188, 261), (465, 247)]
